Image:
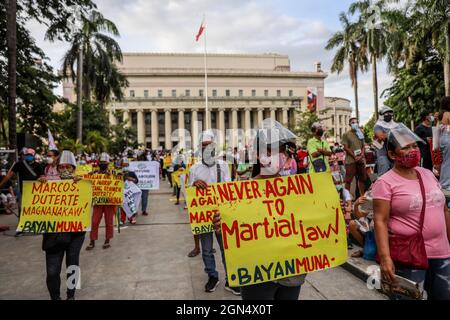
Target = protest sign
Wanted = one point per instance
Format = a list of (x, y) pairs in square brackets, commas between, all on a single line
[(107, 189), (83, 169), (274, 228), (131, 198), (147, 173), (56, 206)]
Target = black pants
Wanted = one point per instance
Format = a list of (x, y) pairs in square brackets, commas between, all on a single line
[(54, 259), (270, 291)]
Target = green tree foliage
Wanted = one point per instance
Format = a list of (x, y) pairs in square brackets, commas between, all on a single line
[(95, 142), (415, 89), (304, 124)]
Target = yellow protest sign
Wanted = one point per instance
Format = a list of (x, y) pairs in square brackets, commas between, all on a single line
[(277, 228), (83, 169), (202, 205), (56, 206), (107, 189)]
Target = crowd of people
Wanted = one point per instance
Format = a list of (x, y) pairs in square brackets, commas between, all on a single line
[(391, 191)]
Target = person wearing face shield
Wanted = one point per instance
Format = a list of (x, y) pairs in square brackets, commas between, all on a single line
[(412, 222), (108, 210), (208, 171), (271, 144), (27, 170), (381, 130), (318, 150), (60, 244)]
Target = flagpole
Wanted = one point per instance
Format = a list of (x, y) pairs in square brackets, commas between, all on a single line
[(206, 80)]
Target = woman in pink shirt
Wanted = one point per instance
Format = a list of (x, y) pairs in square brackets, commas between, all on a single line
[(397, 211)]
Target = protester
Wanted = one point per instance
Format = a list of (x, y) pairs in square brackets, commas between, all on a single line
[(27, 169), (270, 145), (381, 131), (424, 132), (131, 177), (363, 222), (144, 195), (444, 143), (302, 160), (177, 174), (412, 223), (56, 245), (209, 171), (51, 170), (355, 165), (108, 210), (318, 150)]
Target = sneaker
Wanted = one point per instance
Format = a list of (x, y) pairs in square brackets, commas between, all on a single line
[(19, 234), (233, 290), (145, 213), (212, 284)]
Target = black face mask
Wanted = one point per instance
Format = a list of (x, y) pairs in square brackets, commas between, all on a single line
[(387, 118), (319, 132), (103, 166)]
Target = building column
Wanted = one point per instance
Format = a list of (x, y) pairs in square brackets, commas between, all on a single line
[(155, 130), (273, 114), (234, 127), (140, 126), (126, 118), (284, 118), (221, 126), (181, 133), (260, 116), (168, 129), (247, 122), (112, 118), (194, 129)]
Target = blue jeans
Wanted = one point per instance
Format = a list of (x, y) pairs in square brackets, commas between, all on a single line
[(435, 280), (144, 200), (206, 240), (270, 291)]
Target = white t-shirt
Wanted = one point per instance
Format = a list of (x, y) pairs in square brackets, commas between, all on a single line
[(209, 174), (346, 195)]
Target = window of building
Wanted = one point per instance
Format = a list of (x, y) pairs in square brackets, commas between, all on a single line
[(160, 93), (241, 93), (253, 93), (278, 93), (291, 93), (174, 93), (132, 93), (145, 93), (266, 93), (188, 93), (200, 93), (340, 119), (214, 93), (332, 120), (227, 93)]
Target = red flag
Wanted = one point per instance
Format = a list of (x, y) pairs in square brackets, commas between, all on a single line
[(200, 31)]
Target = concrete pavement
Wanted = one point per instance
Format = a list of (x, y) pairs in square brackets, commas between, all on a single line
[(146, 261)]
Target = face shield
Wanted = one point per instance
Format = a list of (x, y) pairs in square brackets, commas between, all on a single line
[(401, 136)]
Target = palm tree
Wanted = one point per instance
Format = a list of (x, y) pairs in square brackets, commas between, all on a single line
[(348, 44), (435, 23), (73, 145), (12, 71), (373, 39), (100, 51), (95, 142)]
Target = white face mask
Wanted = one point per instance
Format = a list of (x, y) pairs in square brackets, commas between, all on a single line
[(50, 161)]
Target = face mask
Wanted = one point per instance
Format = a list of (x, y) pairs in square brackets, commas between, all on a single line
[(339, 187), (208, 156), (65, 174), (354, 126), (29, 158), (103, 166), (50, 161), (319, 132), (410, 160), (82, 161), (431, 119), (387, 118)]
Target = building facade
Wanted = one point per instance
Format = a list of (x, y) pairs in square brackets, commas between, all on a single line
[(336, 117), (165, 100)]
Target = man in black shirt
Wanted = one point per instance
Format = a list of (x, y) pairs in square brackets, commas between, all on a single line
[(26, 169), (424, 131)]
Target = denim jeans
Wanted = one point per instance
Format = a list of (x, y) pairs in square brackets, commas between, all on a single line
[(435, 280), (270, 291), (206, 240), (144, 200), (54, 259)]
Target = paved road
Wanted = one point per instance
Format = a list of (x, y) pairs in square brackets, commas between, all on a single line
[(146, 261)]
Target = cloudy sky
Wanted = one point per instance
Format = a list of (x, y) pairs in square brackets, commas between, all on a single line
[(299, 28)]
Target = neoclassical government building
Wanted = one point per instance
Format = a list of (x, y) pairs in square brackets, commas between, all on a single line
[(167, 92)]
